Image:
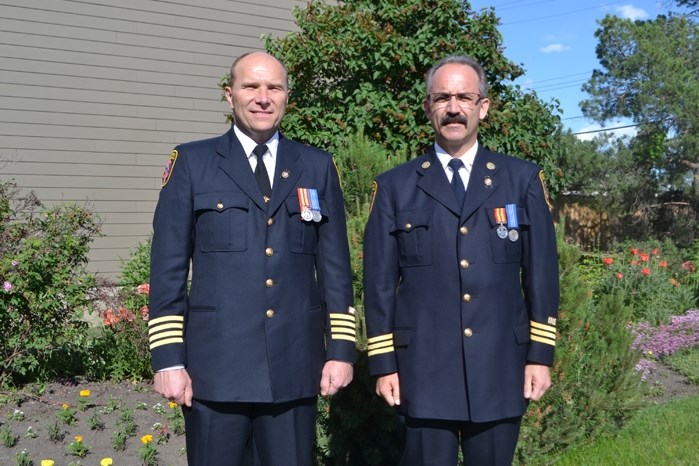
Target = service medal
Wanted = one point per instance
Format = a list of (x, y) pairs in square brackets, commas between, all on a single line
[(315, 205), (513, 235), (500, 215), (305, 204), (307, 215), (502, 232), (317, 217)]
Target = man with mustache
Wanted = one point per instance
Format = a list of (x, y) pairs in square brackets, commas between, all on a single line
[(461, 284)]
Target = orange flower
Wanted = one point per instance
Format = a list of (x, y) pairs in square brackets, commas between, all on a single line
[(633, 262), (662, 264), (126, 314), (645, 271), (644, 257), (109, 318), (78, 438), (674, 282), (143, 289), (608, 261)]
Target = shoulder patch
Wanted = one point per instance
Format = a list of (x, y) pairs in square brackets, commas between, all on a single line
[(374, 189), (339, 178), (169, 166), (542, 177)]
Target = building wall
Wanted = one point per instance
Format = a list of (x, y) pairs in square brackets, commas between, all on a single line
[(95, 94)]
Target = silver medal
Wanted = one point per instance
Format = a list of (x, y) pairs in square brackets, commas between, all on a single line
[(307, 215), (513, 235), (502, 232), (317, 216)]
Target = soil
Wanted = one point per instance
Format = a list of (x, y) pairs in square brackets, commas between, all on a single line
[(111, 400)]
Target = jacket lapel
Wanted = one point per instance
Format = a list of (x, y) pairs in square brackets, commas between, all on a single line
[(286, 173), (434, 182), (482, 182), (235, 164)]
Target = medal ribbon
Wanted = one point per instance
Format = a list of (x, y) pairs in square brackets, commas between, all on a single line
[(512, 216), (315, 203), (500, 215), (304, 202)]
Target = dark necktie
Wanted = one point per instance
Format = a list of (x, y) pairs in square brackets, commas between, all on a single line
[(457, 185), (261, 172)]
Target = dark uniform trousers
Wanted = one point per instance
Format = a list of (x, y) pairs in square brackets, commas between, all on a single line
[(458, 299), (269, 302)]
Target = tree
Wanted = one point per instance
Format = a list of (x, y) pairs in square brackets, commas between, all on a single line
[(360, 65), (651, 75)]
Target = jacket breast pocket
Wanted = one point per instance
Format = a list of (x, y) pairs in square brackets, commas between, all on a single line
[(303, 234), (413, 234), (506, 245), (220, 221)]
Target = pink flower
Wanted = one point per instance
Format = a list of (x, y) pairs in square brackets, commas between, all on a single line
[(644, 257), (143, 289), (619, 275), (109, 318), (126, 314), (634, 251), (655, 252), (14, 264), (645, 271), (144, 313), (633, 262), (688, 266), (662, 264), (608, 261), (7, 286)]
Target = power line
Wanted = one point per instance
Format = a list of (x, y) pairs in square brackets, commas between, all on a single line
[(602, 130), (529, 20)]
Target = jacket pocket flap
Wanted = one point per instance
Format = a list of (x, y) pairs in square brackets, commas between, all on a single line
[(220, 201), (408, 220)]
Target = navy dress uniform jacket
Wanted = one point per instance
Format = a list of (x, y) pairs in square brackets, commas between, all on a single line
[(255, 326), (451, 306)]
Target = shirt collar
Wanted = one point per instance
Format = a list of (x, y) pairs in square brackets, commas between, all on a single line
[(467, 158), (248, 144)]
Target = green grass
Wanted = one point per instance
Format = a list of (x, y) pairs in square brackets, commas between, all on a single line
[(659, 435), (665, 434), (686, 363)]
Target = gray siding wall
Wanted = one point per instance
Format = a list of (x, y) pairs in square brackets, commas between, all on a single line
[(94, 95)]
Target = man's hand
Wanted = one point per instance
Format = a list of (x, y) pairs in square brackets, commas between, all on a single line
[(388, 388), (537, 379), (336, 375), (175, 385)]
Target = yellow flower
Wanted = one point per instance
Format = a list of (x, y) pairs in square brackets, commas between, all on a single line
[(66, 406), (84, 393), (78, 438), (106, 462), (172, 405), (146, 439), (47, 463)]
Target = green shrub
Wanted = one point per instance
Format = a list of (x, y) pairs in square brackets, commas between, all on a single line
[(595, 387), (43, 254), (120, 351)]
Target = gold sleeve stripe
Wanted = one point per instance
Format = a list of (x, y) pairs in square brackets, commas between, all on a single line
[(541, 333), (546, 341), (164, 319), (343, 323), (387, 336), (343, 337), (346, 331), (548, 328), (375, 352), (169, 341), (335, 315), (160, 328), (161, 335)]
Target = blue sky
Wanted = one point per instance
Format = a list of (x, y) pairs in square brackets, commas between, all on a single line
[(555, 42)]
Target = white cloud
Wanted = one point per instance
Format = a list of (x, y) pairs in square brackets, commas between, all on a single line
[(554, 48), (588, 133), (631, 12)]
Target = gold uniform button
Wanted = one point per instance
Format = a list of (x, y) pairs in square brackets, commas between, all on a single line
[(219, 205), (468, 332), (269, 251), (270, 222), (463, 230), (269, 283), (463, 264), (466, 298), (269, 313)]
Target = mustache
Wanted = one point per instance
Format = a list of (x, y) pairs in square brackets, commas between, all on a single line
[(449, 119)]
